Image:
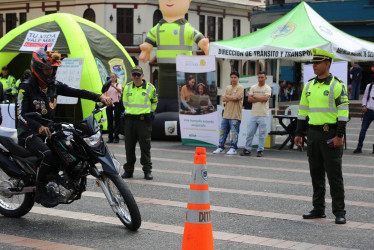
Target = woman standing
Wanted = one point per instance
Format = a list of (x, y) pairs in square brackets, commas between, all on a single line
[(114, 92)]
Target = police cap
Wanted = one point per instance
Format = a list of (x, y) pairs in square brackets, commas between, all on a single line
[(320, 55), (137, 69)]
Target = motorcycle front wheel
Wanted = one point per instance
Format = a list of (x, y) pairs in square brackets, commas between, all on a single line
[(13, 205), (124, 203)]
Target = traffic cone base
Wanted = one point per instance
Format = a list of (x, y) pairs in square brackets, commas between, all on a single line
[(198, 236)]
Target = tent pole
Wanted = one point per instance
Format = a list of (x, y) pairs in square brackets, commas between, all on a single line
[(277, 89)]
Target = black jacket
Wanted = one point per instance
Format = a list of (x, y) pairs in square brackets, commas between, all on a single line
[(32, 99)]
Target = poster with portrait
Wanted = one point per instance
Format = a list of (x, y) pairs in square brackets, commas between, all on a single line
[(197, 94)]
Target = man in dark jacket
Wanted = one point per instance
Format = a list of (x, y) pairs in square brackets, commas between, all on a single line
[(356, 77)]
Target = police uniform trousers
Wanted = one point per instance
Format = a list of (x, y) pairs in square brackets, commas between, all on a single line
[(113, 131), (324, 159), (137, 130)]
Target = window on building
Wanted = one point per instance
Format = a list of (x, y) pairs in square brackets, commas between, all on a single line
[(212, 28), (1, 25), (220, 28), (236, 27), (125, 25), (10, 22), (202, 24), (89, 14), (157, 16), (50, 12), (280, 2), (22, 17)]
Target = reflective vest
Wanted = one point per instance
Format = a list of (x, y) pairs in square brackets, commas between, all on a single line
[(173, 39), (139, 100), (324, 103), (9, 82)]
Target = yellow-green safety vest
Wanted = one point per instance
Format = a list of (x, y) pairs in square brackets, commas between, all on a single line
[(9, 82), (324, 103), (139, 100), (173, 39)]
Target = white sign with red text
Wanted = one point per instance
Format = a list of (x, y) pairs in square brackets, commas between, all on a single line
[(35, 40)]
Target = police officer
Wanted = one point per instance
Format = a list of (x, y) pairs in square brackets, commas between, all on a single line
[(26, 75), (8, 82), (140, 101), (325, 101)]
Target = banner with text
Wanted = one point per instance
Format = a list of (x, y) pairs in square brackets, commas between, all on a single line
[(35, 40), (70, 73), (197, 92)]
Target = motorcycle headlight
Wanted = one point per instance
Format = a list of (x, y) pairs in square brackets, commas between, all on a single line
[(93, 140)]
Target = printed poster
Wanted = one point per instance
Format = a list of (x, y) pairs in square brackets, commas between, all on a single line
[(197, 93), (35, 40), (70, 73)]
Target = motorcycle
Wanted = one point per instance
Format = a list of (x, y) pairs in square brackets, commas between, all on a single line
[(81, 151)]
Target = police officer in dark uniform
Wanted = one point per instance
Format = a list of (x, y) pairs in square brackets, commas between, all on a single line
[(140, 101), (39, 94), (325, 101)]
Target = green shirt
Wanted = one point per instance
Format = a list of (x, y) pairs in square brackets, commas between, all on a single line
[(173, 39), (139, 100), (324, 102)]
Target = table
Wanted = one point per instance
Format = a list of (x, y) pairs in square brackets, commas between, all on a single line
[(289, 130)]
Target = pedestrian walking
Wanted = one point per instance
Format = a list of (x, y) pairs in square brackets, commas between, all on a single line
[(259, 97), (325, 101), (140, 101), (368, 110)]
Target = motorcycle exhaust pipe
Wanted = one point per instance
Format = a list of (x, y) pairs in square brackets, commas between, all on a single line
[(9, 167)]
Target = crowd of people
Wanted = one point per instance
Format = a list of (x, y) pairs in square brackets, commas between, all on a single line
[(326, 123)]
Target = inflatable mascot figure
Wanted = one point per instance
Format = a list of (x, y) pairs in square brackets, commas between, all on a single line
[(172, 36)]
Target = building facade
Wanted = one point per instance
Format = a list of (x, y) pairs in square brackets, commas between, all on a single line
[(130, 21)]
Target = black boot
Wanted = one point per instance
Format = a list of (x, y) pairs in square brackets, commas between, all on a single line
[(42, 196)]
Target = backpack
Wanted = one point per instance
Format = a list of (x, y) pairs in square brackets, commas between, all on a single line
[(371, 86)]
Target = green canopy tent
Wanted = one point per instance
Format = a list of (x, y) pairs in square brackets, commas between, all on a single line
[(291, 37), (73, 37)]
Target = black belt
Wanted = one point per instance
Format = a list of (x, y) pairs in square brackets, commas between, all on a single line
[(138, 117), (325, 127)]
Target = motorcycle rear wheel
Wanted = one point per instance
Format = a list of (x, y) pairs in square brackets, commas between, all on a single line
[(13, 205), (124, 202)]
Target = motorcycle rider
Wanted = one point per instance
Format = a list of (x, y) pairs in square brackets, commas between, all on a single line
[(39, 94)]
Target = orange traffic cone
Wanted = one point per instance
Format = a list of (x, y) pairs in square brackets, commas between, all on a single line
[(198, 233)]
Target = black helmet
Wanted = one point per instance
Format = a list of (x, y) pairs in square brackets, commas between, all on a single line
[(42, 59)]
